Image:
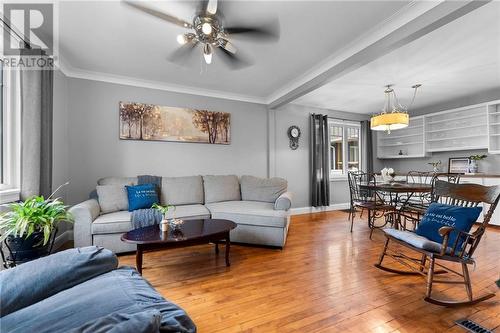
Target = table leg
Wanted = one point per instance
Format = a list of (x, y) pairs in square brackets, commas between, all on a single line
[(216, 247), (228, 245), (138, 259)]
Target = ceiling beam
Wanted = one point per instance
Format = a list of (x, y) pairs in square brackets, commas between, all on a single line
[(439, 15)]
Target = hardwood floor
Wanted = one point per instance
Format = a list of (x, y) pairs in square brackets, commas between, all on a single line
[(323, 281)]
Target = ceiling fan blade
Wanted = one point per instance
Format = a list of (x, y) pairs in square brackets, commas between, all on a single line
[(208, 7), (264, 32), (158, 14), (231, 59), (212, 7), (228, 46), (183, 54)]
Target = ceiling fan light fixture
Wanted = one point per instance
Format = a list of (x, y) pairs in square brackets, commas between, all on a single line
[(181, 39), (206, 28), (207, 54)]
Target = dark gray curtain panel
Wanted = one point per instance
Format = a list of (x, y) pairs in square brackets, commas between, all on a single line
[(36, 131), (320, 170), (366, 147)]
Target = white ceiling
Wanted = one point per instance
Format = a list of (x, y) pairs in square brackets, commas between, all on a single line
[(459, 59), (109, 39)]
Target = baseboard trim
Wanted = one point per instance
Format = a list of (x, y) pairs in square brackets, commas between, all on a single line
[(63, 238), (308, 210)]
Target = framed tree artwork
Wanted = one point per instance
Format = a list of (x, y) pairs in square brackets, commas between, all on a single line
[(148, 122)]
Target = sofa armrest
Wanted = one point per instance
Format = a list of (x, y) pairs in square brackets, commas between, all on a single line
[(84, 214), (284, 201)]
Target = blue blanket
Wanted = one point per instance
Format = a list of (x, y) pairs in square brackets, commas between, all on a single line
[(145, 217), (86, 299)]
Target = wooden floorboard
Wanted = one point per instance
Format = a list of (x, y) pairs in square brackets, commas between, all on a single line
[(322, 281)]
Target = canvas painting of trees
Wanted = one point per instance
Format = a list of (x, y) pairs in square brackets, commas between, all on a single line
[(139, 121)]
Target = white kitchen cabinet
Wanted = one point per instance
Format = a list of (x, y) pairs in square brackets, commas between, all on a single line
[(495, 219), (486, 181)]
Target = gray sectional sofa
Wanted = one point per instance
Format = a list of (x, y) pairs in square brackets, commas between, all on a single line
[(260, 207)]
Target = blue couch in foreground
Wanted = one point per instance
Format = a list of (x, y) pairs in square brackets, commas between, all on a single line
[(83, 290)]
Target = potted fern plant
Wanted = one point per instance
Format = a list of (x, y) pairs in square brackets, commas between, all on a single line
[(29, 226)]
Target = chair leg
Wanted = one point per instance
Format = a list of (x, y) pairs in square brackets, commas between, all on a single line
[(371, 221), (430, 277), (353, 213), (422, 262), (468, 286), (382, 255)]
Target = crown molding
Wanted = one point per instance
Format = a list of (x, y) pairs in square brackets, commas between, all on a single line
[(403, 16), (78, 73)]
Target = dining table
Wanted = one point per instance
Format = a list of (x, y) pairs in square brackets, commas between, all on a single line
[(398, 194)]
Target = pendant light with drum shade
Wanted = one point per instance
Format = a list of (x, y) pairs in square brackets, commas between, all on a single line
[(394, 116)]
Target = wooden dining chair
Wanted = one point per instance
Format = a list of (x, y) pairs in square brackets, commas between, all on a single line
[(438, 254), (416, 206), (362, 199)]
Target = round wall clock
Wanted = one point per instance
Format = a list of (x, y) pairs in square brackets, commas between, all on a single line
[(294, 135)]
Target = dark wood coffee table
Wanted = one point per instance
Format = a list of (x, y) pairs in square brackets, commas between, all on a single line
[(191, 232)]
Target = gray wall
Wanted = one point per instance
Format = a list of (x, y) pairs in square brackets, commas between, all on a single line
[(489, 165), (294, 164), (95, 150)]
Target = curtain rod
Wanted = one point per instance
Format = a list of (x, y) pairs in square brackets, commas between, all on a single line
[(8, 27), (337, 118)]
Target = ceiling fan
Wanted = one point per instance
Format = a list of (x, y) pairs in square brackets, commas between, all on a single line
[(208, 30)]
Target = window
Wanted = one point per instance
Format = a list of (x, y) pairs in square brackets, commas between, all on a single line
[(10, 148), (345, 152)]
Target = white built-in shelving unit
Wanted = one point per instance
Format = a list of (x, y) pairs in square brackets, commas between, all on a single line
[(494, 128), (467, 128), (458, 129), (405, 143)]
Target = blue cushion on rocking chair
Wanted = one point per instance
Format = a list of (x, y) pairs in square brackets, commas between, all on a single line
[(441, 215)]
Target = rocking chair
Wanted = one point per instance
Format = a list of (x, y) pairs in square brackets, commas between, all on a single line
[(462, 249)]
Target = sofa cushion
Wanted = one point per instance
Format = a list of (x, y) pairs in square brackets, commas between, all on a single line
[(141, 196), (249, 212), (182, 190), (119, 222), (413, 239), (122, 291), (191, 212), (262, 189), (221, 188), (117, 181), (112, 198), (112, 223)]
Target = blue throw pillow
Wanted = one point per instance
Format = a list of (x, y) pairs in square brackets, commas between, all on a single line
[(440, 215), (141, 196)]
